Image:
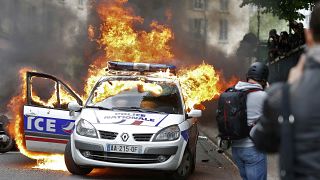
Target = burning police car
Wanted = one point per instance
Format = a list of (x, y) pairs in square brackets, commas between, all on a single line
[(132, 119)]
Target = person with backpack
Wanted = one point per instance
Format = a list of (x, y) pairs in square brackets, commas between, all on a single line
[(290, 124), (239, 109)]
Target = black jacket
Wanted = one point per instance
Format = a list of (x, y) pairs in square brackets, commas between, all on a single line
[(305, 107)]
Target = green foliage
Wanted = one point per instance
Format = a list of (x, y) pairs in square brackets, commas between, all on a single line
[(284, 9)]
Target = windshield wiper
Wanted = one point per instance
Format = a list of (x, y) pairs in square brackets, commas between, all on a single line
[(128, 109), (153, 111), (137, 109), (99, 107)]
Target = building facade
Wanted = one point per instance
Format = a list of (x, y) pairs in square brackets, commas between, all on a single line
[(216, 23)]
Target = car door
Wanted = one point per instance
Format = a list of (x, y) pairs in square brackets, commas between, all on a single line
[(47, 122)]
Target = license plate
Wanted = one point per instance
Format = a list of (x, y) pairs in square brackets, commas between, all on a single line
[(119, 148)]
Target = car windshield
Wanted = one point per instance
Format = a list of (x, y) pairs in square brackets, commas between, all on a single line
[(137, 95)]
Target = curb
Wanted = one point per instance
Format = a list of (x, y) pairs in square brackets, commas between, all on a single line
[(214, 140)]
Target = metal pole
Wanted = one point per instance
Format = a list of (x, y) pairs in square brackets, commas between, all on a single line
[(258, 34), (259, 18)]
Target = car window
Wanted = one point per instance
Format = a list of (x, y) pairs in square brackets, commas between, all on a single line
[(136, 94), (43, 92), (47, 91)]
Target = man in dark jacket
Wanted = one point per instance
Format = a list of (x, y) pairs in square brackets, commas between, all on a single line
[(297, 134)]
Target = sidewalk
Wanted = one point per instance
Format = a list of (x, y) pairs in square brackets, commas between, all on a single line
[(210, 130)]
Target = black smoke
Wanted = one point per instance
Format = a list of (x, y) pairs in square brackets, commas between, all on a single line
[(48, 36)]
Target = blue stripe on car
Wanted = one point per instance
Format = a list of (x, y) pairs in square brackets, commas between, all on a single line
[(162, 120), (185, 135)]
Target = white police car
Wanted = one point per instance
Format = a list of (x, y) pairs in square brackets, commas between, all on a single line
[(135, 127)]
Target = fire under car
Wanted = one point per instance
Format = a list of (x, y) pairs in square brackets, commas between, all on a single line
[(142, 123)]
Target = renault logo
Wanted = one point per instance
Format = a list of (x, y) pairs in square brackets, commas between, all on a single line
[(124, 137)]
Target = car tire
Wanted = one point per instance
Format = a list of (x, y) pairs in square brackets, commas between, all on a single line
[(6, 146), (194, 156), (193, 167), (186, 166), (71, 165)]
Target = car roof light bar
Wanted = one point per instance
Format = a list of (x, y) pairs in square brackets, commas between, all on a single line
[(141, 67)]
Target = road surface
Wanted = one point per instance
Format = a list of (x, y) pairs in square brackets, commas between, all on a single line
[(210, 165)]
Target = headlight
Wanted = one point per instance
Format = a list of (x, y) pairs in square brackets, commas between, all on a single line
[(84, 128), (170, 133)]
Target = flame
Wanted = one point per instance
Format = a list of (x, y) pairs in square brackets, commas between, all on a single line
[(121, 42), (16, 129), (224, 84), (51, 102), (199, 84), (108, 89), (65, 97), (51, 162)]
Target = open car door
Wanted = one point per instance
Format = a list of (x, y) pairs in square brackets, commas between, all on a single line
[(47, 121)]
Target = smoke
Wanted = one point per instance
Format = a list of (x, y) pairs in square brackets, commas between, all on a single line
[(191, 51), (48, 36)]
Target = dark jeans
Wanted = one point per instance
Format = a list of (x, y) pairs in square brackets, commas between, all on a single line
[(251, 163)]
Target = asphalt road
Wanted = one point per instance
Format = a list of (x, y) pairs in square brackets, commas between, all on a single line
[(210, 165)]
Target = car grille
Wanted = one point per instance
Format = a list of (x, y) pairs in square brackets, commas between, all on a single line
[(142, 137), (108, 135), (125, 157)]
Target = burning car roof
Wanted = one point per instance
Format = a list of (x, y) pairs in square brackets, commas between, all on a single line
[(140, 67), (135, 71)]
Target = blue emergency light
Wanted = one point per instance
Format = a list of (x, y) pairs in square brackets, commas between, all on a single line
[(141, 67)]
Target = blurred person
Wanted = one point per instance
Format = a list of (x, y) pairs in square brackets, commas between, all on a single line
[(273, 43), (290, 123), (302, 39), (284, 44), (294, 38), (239, 108)]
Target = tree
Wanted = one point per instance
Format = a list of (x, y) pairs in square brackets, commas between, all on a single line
[(284, 9)]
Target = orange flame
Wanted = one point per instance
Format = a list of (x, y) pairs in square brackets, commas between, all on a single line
[(199, 84), (122, 43), (16, 129)]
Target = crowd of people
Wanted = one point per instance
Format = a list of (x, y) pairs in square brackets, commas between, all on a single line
[(284, 119), (281, 45)]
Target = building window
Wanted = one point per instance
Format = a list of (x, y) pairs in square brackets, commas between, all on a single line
[(81, 4), (223, 36), (198, 28), (199, 4), (224, 5)]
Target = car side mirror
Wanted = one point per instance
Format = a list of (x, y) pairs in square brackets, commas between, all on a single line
[(73, 107), (194, 113)]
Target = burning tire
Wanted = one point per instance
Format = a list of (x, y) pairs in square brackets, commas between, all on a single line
[(186, 167), (71, 165)]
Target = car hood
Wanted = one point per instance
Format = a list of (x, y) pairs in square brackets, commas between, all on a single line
[(96, 116)]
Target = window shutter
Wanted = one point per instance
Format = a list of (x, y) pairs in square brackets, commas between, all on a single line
[(206, 4)]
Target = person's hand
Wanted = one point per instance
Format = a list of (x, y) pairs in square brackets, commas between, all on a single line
[(296, 72), (267, 85)]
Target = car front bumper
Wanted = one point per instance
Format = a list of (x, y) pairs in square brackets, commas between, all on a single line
[(155, 155)]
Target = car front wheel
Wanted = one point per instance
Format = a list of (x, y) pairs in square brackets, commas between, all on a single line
[(186, 167), (71, 165)]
